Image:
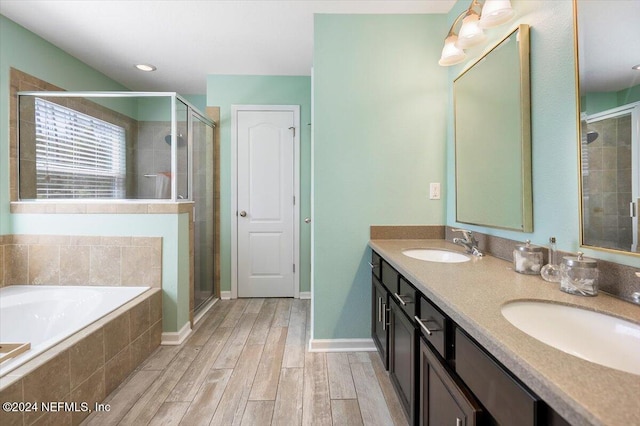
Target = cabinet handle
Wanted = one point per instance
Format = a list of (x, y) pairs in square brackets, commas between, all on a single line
[(424, 327), (379, 309), (458, 422), (399, 297), (384, 317), (373, 265)]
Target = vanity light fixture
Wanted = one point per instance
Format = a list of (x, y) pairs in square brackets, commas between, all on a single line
[(470, 33), (466, 30), (145, 67), (496, 12)]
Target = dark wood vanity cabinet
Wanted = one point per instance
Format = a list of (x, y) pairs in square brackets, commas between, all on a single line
[(402, 354), (380, 305), (379, 319), (444, 400), (441, 375)]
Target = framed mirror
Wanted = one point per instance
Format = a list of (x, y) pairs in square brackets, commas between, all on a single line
[(608, 80), (493, 137)]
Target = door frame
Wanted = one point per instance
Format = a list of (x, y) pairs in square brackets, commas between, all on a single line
[(234, 191)]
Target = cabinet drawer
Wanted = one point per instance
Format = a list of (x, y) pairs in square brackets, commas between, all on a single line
[(506, 400), (389, 277), (375, 264), (406, 298), (433, 326)]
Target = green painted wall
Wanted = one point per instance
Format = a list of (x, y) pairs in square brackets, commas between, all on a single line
[(601, 101), (379, 140), (554, 126), (23, 50), (227, 90), (198, 101)]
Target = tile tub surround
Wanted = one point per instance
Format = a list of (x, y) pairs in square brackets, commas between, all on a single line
[(87, 366), (472, 294), (80, 260)]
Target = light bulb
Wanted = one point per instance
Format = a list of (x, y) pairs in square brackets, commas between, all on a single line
[(451, 54), (496, 12), (145, 67), (470, 33)]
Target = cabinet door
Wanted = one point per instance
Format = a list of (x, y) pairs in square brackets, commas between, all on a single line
[(443, 400), (504, 397), (402, 354), (379, 319)]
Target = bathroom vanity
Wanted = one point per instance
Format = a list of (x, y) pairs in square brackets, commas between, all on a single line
[(455, 360)]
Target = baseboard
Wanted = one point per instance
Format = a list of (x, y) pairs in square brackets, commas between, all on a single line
[(305, 295), (342, 345), (176, 338)]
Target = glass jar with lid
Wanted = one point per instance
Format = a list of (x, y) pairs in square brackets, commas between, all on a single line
[(579, 275), (527, 258)]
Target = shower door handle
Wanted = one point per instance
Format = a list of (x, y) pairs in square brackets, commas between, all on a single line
[(243, 214)]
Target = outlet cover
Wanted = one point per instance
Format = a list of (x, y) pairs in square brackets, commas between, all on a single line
[(434, 191)]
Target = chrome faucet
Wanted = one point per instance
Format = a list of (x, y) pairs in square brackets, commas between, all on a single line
[(469, 242)]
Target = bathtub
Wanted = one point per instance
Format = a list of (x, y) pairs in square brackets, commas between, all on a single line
[(46, 315)]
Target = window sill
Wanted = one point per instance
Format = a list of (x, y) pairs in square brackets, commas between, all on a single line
[(101, 207)]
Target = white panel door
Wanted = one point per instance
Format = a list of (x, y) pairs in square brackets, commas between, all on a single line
[(265, 143)]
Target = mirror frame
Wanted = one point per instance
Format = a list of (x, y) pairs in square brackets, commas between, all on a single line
[(579, 146), (526, 220)]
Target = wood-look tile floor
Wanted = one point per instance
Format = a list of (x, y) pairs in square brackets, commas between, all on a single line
[(247, 363)]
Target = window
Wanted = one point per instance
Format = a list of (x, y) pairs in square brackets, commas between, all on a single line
[(77, 156)]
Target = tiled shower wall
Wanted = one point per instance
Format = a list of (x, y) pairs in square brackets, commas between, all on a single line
[(607, 181), (80, 260), (153, 158)]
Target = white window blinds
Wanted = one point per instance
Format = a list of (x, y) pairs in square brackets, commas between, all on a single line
[(77, 156)]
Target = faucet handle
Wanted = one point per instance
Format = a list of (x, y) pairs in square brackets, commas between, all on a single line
[(467, 234)]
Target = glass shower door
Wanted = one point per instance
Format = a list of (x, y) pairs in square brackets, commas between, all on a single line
[(611, 180), (203, 196)]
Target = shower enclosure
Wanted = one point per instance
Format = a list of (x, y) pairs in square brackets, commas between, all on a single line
[(155, 147), (610, 149)]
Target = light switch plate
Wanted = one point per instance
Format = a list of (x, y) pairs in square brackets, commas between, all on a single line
[(434, 191)]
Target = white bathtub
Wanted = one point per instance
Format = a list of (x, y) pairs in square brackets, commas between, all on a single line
[(46, 315)]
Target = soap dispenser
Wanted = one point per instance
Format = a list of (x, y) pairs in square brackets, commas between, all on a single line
[(551, 271)]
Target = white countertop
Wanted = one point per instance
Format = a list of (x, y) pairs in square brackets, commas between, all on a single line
[(472, 294)]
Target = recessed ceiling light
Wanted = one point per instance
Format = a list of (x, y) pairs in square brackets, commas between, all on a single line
[(146, 67), (636, 67)]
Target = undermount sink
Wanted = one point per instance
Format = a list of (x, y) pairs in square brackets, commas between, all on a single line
[(436, 255), (593, 336)]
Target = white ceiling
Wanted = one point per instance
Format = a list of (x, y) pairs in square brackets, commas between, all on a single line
[(188, 39), (609, 44)]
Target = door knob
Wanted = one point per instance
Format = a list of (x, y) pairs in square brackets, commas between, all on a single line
[(243, 213)]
